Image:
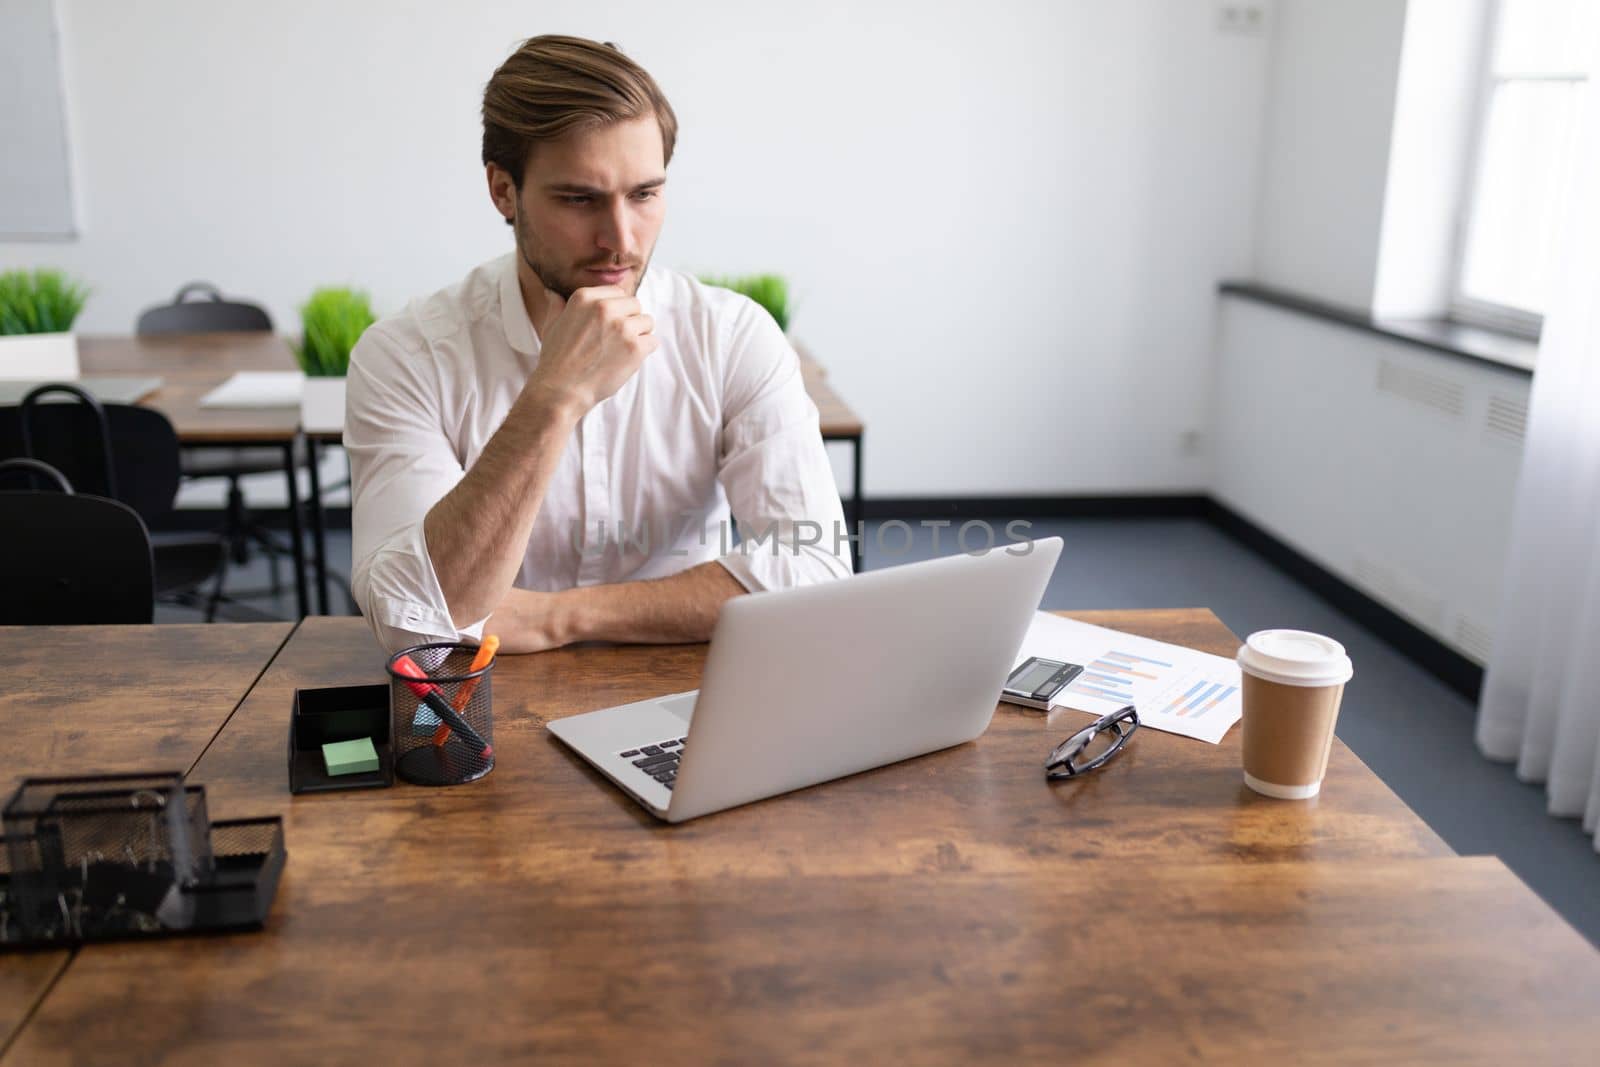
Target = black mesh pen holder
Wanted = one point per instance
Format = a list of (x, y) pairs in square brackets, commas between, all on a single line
[(431, 701)]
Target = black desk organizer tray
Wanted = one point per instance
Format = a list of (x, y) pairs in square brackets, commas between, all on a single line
[(121, 856), (338, 713)]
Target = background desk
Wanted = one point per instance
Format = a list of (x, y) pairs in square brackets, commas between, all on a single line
[(950, 908)]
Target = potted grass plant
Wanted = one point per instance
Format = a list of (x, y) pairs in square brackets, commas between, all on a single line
[(332, 321), (37, 310), (771, 291)]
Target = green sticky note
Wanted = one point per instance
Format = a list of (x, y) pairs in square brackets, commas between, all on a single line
[(350, 757)]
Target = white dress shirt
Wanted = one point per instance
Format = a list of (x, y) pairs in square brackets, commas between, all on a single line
[(717, 415)]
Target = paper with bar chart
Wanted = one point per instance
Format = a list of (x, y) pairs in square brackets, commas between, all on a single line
[(1175, 689)]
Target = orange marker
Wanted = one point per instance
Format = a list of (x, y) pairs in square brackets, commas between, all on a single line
[(485, 656)]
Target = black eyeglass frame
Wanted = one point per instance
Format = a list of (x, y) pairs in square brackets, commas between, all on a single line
[(1122, 722)]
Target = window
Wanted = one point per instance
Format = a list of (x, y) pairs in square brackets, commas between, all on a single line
[(1536, 76)]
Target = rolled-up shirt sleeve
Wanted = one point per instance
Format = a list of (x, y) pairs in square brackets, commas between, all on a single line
[(774, 467), (401, 464)]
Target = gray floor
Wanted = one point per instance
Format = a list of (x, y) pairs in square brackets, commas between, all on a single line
[(1412, 730)]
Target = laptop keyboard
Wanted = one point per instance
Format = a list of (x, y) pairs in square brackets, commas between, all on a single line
[(659, 761)]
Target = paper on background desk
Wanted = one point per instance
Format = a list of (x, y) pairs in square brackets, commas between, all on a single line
[(1176, 689), (257, 389)]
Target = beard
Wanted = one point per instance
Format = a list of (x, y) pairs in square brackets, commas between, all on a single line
[(564, 281)]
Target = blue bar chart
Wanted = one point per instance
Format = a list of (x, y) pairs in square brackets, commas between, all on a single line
[(1176, 689), (1112, 676), (1201, 698)]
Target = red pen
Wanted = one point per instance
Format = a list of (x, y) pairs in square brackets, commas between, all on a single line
[(435, 700)]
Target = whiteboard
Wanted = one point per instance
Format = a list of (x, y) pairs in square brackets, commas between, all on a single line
[(35, 180)]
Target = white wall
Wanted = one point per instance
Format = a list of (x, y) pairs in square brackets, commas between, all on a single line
[(1392, 466), (1324, 163), (1005, 222)]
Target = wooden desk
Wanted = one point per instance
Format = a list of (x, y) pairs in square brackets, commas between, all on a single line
[(951, 908), (190, 366), (108, 699)]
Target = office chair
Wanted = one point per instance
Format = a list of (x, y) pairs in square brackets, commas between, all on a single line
[(213, 314), (124, 453), (68, 559)]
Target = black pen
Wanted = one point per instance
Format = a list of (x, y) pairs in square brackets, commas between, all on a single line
[(417, 679)]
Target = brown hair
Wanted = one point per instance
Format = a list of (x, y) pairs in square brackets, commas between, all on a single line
[(553, 85)]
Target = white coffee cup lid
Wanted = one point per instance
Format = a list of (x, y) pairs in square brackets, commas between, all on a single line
[(1295, 657)]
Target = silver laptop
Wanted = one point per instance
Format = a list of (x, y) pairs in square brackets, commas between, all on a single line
[(807, 685)]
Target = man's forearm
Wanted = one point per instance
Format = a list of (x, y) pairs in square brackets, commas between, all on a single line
[(681, 608), (477, 534)]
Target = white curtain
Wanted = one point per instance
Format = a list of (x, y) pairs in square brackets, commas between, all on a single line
[(1541, 695)]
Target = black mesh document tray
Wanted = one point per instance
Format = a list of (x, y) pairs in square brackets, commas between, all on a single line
[(115, 856)]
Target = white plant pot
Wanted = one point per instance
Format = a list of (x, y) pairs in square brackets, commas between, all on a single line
[(322, 405), (38, 356)]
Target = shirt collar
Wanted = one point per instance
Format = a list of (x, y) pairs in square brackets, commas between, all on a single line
[(513, 312)]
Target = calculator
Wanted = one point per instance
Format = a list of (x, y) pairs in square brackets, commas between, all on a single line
[(1037, 681)]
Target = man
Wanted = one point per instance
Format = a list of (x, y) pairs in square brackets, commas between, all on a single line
[(549, 450)]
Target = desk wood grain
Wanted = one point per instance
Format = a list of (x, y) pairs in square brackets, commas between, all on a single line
[(983, 805), (24, 978), (1393, 961), (107, 699), (950, 908)]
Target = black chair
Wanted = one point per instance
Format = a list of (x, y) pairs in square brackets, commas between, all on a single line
[(213, 314), (125, 453), (67, 558)]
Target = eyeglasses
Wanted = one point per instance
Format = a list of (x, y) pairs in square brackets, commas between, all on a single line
[(1093, 746)]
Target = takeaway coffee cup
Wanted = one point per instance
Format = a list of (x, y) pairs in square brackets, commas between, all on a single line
[(1293, 681)]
